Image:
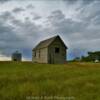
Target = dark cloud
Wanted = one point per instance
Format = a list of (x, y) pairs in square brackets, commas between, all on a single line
[(8, 39), (96, 20), (58, 21), (18, 10), (78, 33), (5, 15), (56, 15), (83, 2), (70, 1), (3, 1), (35, 16), (15, 34), (30, 6), (89, 12)]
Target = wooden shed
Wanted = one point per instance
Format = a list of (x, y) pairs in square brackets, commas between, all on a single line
[(51, 51)]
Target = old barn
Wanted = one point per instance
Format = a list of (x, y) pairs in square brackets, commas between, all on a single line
[(51, 51)]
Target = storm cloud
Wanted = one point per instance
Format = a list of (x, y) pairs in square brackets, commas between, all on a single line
[(23, 26), (3, 1)]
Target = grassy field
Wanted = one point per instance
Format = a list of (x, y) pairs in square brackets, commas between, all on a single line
[(28, 81)]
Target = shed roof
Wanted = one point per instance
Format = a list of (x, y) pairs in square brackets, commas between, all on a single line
[(47, 42)]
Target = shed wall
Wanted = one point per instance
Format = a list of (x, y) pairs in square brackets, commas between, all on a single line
[(40, 56), (57, 58)]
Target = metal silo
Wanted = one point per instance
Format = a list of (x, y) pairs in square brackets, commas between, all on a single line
[(16, 56)]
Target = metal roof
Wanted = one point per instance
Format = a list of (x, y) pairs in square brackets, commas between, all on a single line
[(47, 42)]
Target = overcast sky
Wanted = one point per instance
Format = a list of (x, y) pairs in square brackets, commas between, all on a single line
[(23, 23)]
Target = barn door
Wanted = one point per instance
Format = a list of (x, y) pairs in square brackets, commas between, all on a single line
[(51, 58)]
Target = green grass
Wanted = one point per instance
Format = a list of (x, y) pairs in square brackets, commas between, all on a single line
[(24, 81)]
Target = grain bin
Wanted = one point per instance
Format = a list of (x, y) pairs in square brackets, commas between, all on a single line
[(16, 56)]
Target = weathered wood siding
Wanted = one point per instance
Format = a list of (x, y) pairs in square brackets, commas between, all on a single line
[(54, 53), (41, 56), (57, 58)]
